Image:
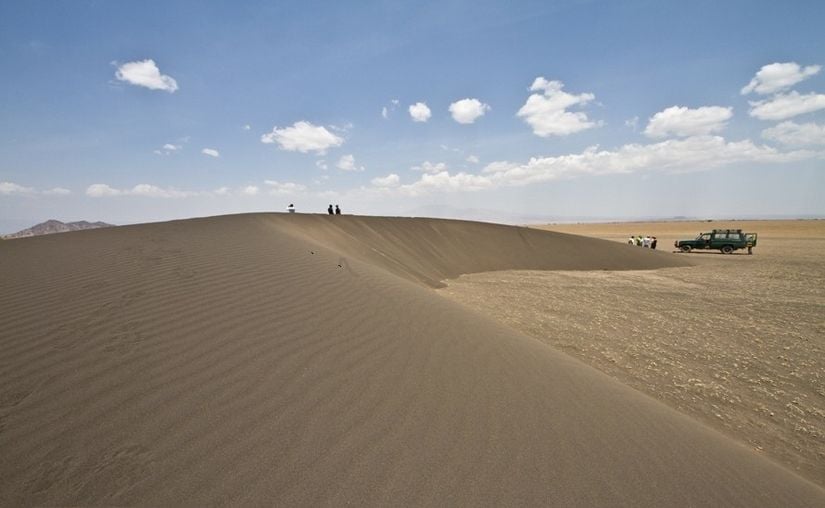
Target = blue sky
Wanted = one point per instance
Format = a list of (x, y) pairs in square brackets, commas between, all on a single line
[(143, 111)]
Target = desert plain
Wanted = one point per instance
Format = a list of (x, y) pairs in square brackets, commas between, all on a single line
[(736, 341), (306, 360)]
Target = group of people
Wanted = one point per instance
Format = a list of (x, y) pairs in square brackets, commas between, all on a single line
[(642, 241), (330, 210)]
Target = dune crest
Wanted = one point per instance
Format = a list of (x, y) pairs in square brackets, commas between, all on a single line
[(298, 360)]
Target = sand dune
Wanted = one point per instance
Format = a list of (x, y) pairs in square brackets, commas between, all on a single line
[(302, 360)]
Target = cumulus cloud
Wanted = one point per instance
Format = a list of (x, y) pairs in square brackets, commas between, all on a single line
[(391, 180), (250, 190), (221, 191), (429, 167), (347, 163), (101, 190), (794, 134), (445, 182), (784, 106), (546, 112), (633, 123), (419, 112), (303, 137), (276, 187), (211, 152), (10, 188), (321, 164), (675, 155), (145, 73), (466, 111), (57, 191), (472, 159), (696, 153), (682, 121), (168, 149), (776, 77)]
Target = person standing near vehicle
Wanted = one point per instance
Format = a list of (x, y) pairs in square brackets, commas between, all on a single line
[(653, 242)]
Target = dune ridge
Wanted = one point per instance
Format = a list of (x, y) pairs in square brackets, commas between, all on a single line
[(291, 359)]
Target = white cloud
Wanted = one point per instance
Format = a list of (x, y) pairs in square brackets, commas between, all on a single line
[(146, 74), (211, 152), (419, 112), (445, 182), (99, 190), (303, 137), (784, 106), (247, 127), (250, 190), (794, 134), (633, 123), (466, 111), (697, 153), (347, 163), (57, 191), (277, 187), (321, 164), (168, 149), (547, 113), (429, 167), (153, 191), (472, 159), (682, 121), (9, 188), (682, 155), (391, 180), (776, 77), (221, 191), (387, 110)]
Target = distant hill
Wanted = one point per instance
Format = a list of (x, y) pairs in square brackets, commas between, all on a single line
[(55, 226)]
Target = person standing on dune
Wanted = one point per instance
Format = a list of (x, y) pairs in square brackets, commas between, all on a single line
[(329, 210), (337, 210)]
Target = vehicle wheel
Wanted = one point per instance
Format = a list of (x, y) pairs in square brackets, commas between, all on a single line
[(685, 248), (727, 249)]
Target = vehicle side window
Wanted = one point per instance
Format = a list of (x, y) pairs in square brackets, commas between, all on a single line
[(705, 237)]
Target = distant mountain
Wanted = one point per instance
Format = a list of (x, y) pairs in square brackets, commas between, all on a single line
[(55, 226)]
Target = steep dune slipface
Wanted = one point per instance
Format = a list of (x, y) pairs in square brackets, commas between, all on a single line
[(234, 360), (431, 250)]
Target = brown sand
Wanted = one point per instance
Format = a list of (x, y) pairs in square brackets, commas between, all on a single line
[(736, 341), (280, 359)]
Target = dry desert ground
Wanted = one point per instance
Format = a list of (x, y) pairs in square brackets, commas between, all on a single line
[(308, 360), (736, 341)]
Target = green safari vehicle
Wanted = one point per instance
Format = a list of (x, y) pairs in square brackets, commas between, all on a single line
[(724, 240)]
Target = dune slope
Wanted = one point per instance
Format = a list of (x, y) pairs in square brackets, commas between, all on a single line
[(274, 359)]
